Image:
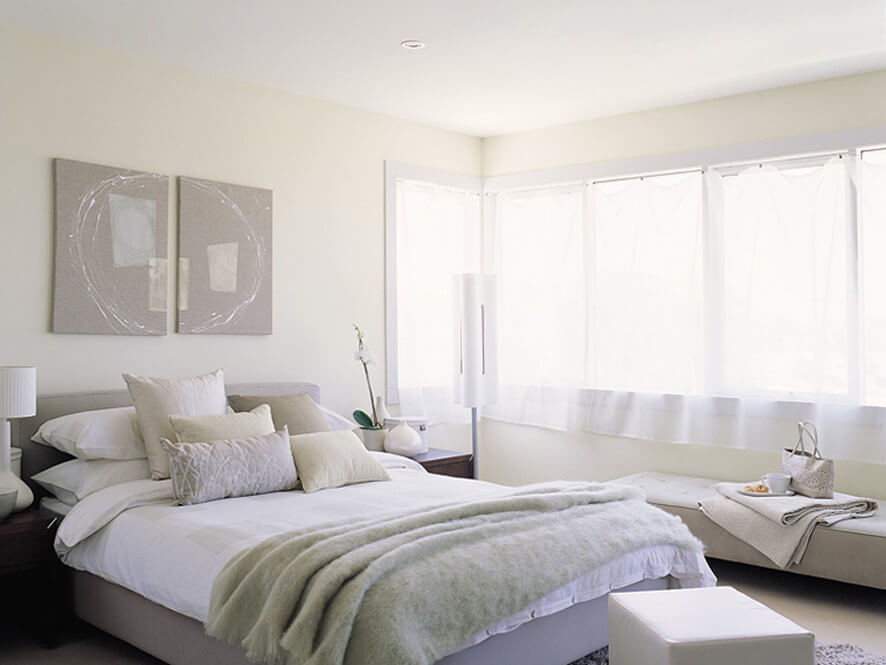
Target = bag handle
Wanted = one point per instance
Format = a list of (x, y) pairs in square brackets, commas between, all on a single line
[(807, 428), (799, 443)]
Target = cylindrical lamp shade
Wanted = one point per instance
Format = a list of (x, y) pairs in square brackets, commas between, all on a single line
[(18, 392), (476, 373)]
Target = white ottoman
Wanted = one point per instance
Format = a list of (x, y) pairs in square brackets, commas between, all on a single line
[(709, 626)]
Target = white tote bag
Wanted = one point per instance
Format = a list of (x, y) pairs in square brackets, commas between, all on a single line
[(811, 474)]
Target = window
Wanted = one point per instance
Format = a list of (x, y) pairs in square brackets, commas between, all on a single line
[(872, 232), (433, 234), (734, 283), (539, 241), (647, 291), (711, 305), (784, 268)]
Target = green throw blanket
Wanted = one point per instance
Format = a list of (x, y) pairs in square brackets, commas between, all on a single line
[(412, 587)]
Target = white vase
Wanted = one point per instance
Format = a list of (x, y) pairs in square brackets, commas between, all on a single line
[(8, 480), (373, 439), (381, 411), (403, 440)]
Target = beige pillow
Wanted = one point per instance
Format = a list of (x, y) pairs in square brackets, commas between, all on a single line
[(157, 399), (298, 412), (203, 472), (229, 426), (333, 459)]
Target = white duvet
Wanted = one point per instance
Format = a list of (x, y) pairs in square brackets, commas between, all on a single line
[(133, 535)]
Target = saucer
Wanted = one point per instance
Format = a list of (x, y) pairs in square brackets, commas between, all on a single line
[(746, 493)]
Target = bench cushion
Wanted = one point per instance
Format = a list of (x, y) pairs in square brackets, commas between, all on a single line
[(702, 626), (850, 551)]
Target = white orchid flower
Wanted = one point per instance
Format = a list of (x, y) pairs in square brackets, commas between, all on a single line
[(365, 357)]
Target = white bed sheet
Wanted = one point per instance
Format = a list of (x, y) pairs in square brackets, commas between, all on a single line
[(172, 554)]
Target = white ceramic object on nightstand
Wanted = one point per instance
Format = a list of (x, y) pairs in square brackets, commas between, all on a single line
[(18, 399), (7, 502), (419, 424), (403, 440)]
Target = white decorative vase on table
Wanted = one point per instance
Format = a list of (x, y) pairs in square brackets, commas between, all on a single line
[(18, 399), (403, 440), (381, 411)]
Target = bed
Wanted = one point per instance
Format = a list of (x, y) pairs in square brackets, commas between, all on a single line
[(145, 576)]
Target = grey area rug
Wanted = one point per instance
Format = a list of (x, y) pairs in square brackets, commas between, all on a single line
[(825, 654)]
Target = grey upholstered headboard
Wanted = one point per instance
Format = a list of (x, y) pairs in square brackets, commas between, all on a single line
[(36, 457)]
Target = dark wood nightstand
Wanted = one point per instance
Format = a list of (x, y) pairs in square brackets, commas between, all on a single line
[(447, 462), (30, 566)]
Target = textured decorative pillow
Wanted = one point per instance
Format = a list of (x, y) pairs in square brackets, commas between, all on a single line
[(298, 412), (76, 479), (203, 472), (157, 399), (100, 434), (229, 426), (333, 459)]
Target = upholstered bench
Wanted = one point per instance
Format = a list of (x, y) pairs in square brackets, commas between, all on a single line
[(850, 551), (714, 625)]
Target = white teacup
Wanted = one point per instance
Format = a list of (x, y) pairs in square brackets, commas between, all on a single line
[(778, 483)]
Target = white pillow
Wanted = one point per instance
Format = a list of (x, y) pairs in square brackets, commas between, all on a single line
[(206, 429), (157, 399), (336, 421), (71, 481), (101, 434)]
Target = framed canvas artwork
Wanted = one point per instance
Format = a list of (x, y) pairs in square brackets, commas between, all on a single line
[(110, 272), (224, 269)]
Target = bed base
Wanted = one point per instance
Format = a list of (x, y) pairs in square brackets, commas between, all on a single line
[(556, 639)]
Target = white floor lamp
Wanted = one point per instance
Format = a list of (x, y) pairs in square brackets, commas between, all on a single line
[(18, 399), (476, 375)]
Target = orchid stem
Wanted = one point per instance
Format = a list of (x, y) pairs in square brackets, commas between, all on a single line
[(371, 396)]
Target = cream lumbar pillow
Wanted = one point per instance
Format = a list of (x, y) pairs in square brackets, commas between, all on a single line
[(206, 429), (203, 472), (333, 459), (157, 399)]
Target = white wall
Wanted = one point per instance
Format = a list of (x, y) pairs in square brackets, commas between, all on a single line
[(813, 108), (517, 454), (324, 163)]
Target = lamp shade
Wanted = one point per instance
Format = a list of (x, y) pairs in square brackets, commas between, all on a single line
[(476, 374), (18, 392)]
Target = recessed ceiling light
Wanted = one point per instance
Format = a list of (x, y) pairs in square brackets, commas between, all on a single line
[(412, 44)]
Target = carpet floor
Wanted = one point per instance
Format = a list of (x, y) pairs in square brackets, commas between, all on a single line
[(825, 654)]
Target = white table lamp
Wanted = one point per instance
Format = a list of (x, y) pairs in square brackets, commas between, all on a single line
[(18, 399), (476, 376)]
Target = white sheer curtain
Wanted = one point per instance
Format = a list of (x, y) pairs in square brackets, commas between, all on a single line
[(785, 275), (439, 235), (539, 250), (647, 314), (872, 232), (714, 309)]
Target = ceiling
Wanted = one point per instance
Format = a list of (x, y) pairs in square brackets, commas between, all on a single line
[(490, 66)]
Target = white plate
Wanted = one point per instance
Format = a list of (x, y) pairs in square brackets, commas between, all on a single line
[(746, 493)]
